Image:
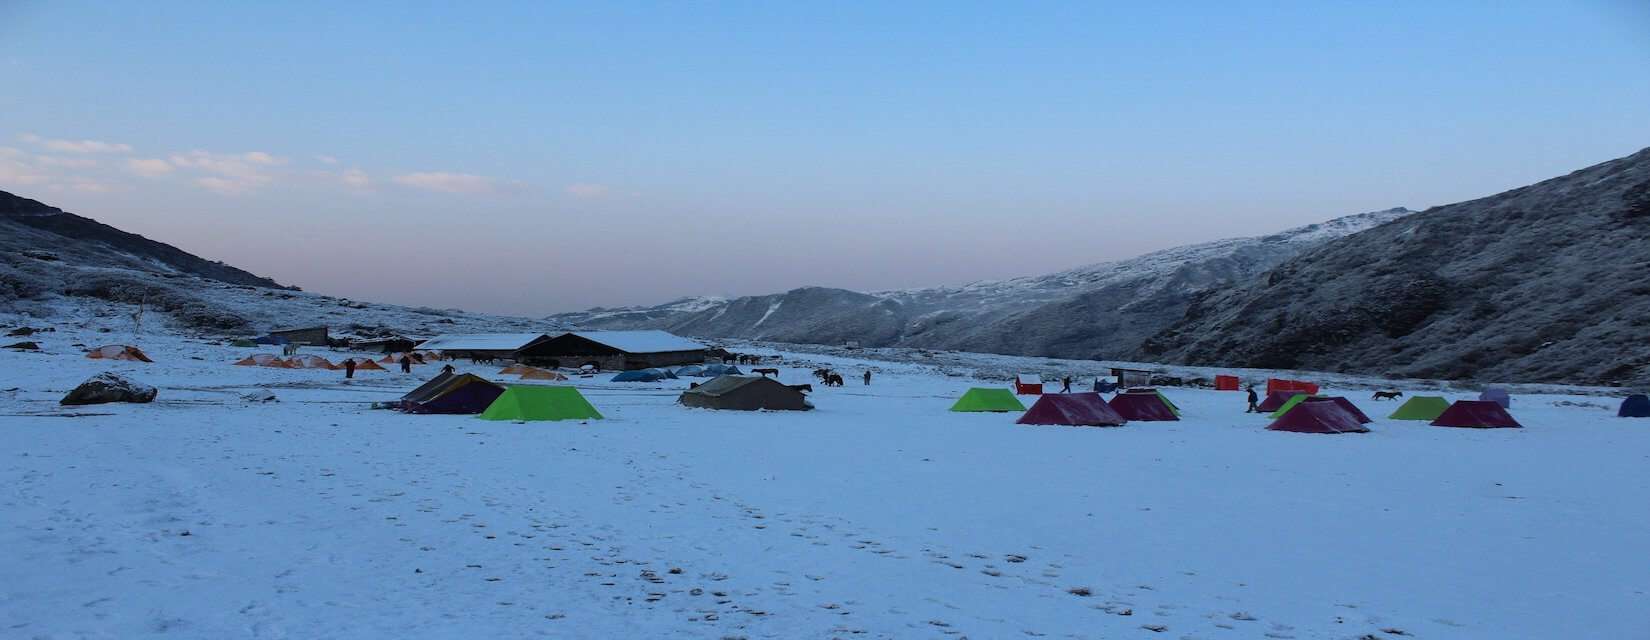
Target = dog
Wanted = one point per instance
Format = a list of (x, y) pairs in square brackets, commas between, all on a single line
[(1387, 395)]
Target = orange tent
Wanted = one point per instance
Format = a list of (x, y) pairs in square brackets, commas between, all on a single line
[(118, 352), (365, 364), (263, 360), (541, 374), (514, 369), (391, 358), (310, 362)]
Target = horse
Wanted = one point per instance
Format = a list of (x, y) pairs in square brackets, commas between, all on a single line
[(822, 374), (1387, 395), (833, 380), (766, 372)]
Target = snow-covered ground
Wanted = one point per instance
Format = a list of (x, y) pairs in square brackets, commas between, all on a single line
[(879, 515)]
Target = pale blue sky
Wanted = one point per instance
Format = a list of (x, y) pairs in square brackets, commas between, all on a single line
[(533, 157)]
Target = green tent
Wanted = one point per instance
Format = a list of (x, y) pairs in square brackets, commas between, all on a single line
[(242, 342), (983, 399), (1171, 405), (1293, 400), (533, 402), (1421, 408)]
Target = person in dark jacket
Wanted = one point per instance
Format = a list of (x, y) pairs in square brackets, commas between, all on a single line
[(1254, 401), (349, 368), (406, 364), (867, 377), (1065, 384), (448, 369)]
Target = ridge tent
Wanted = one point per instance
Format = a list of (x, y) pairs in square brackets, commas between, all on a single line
[(458, 394), (1028, 384), (1482, 414), (1145, 405), (1275, 400), (533, 403), (988, 399), (1286, 406), (1074, 409), (1498, 396), (1318, 415), (533, 373), (1353, 409), (262, 360), (1635, 406), (692, 370), (1172, 406), (1227, 383), (366, 364), (118, 352), (639, 375), (746, 393), (1421, 408), (310, 362), (514, 370), (427, 390)]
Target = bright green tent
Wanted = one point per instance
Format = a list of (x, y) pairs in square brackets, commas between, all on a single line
[(1171, 405), (534, 402), (983, 399), (1293, 400), (1421, 408)]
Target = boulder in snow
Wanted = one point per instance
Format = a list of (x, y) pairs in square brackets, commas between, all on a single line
[(260, 395), (24, 346), (109, 387)]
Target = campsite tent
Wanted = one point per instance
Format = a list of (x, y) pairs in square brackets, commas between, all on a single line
[(1145, 405), (310, 362), (262, 360), (1421, 408), (746, 393), (366, 364), (452, 394), (1498, 396), (1318, 415), (1028, 384), (540, 403), (1226, 383), (1475, 413), (118, 352), (1075, 409), (988, 399), (1635, 406), (1167, 401), (1343, 402), (514, 370), (639, 375), (691, 370), (1287, 405), (532, 373), (1275, 400)]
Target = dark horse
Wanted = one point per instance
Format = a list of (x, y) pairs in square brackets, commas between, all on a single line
[(1387, 395), (766, 372)]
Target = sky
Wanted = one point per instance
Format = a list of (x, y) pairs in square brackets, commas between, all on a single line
[(535, 157)]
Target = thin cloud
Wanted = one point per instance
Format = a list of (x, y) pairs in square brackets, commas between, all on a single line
[(233, 173), (326, 159), (445, 182), (76, 146), (588, 191), (356, 179), (149, 167), (65, 163)]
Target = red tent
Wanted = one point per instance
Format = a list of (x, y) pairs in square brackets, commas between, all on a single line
[(1227, 383), (1475, 413), (1274, 400), (1352, 409), (1292, 386), (1318, 415), (1076, 409), (1145, 407)]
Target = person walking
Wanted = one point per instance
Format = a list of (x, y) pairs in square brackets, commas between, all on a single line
[(406, 364), (1254, 401), (349, 368), (867, 377), (1065, 384)]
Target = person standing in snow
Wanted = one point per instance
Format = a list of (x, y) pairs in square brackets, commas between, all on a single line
[(867, 377), (1065, 384), (406, 364), (448, 369), (349, 368), (1254, 401)]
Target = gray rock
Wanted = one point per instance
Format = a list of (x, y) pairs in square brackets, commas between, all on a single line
[(24, 346), (109, 387)]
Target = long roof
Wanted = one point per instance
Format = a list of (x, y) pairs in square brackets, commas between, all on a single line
[(646, 341), (481, 341)]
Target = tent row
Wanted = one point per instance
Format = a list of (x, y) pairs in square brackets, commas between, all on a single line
[(466, 393), (1074, 409), (304, 362)]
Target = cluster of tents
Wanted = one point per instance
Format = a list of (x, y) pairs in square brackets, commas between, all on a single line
[(318, 362), (465, 393), (1073, 409), (690, 371)]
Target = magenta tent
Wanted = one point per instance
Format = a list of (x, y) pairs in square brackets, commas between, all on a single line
[(1074, 409), (1318, 415)]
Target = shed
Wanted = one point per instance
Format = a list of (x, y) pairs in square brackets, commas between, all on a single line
[(1028, 384), (1131, 377), (313, 336), (482, 345), (614, 350)]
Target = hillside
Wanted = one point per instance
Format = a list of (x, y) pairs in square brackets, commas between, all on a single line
[(1543, 283), (1098, 311)]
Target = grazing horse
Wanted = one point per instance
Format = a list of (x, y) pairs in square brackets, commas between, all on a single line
[(833, 380), (766, 372), (822, 374), (1387, 395)]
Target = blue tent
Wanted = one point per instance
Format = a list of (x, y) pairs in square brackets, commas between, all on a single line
[(691, 370), (731, 370), (666, 373), (640, 375), (1635, 406), (713, 370)]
